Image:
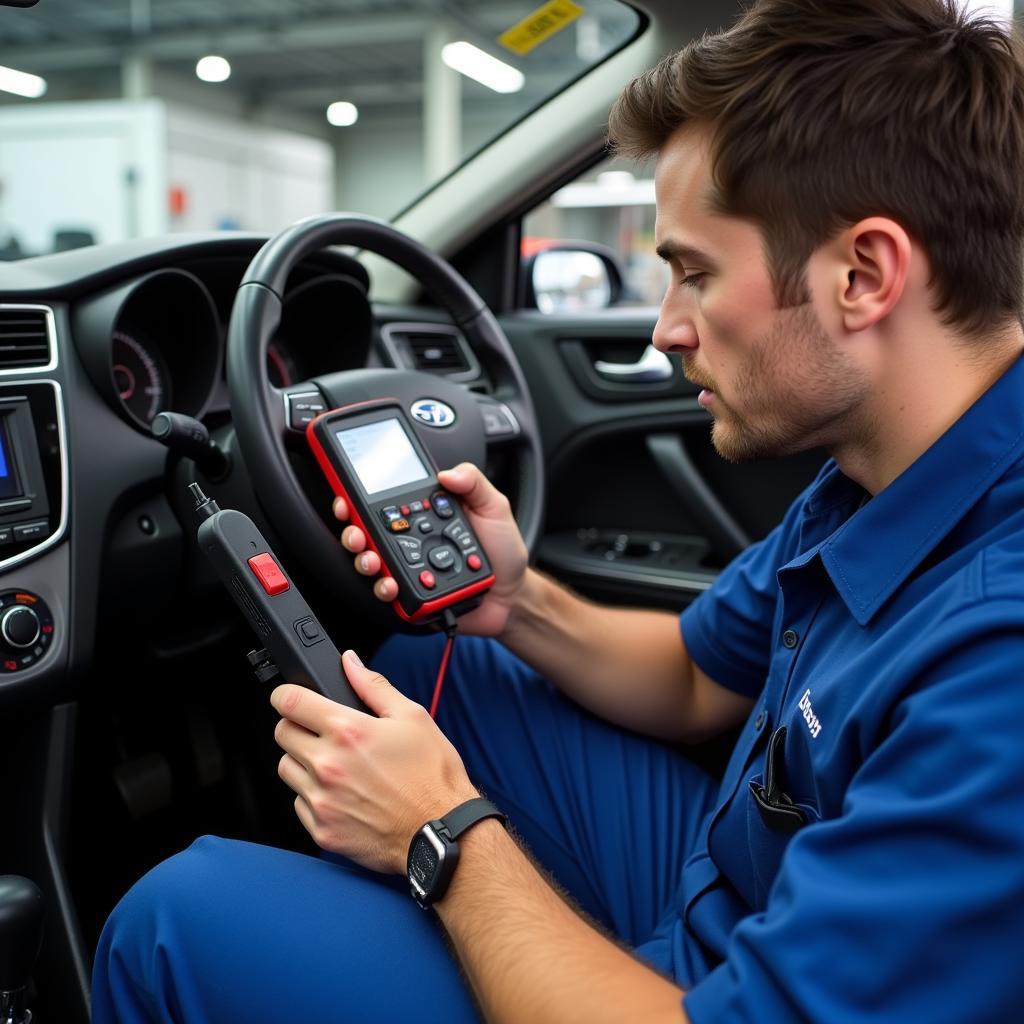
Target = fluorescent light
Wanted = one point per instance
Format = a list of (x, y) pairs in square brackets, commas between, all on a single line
[(21, 83), (472, 62), (213, 69), (1000, 10), (616, 181), (596, 193), (342, 113)]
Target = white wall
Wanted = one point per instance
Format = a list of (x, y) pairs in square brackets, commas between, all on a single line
[(106, 168), (94, 167), (237, 174)]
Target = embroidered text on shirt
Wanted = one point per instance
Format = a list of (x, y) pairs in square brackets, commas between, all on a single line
[(809, 716)]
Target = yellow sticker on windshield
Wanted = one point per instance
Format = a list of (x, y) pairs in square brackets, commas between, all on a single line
[(542, 24)]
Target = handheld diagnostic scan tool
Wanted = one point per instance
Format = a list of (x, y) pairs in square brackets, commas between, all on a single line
[(372, 458)]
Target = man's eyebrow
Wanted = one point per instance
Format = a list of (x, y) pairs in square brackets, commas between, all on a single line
[(682, 254)]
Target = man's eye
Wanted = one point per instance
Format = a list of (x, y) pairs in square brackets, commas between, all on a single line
[(692, 280)]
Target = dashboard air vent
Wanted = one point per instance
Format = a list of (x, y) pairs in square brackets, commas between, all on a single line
[(436, 352), (433, 348), (24, 338)]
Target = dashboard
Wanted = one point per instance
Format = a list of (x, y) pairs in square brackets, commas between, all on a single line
[(94, 343)]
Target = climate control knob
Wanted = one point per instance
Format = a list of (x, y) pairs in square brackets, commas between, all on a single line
[(26, 632), (20, 626)]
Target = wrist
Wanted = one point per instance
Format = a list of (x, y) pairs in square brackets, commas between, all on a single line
[(436, 806), (435, 850), (524, 606)]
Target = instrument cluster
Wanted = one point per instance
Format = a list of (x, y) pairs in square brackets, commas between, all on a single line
[(156, 343)]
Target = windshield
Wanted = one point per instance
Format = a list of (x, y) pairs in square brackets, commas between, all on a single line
[(125, 118)]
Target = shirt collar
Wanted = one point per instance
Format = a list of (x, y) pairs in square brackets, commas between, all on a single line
[(878, 546)]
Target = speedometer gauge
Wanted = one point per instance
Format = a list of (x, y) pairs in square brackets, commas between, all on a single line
[(140, 378)]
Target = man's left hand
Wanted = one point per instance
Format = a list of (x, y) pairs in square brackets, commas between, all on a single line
[(366, 785)]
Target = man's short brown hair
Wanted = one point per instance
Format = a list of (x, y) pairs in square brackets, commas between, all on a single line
[(825, 112)]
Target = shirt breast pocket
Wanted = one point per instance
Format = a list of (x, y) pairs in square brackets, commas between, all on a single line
[(773, 818)]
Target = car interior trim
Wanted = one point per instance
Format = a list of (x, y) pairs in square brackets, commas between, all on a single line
[(674, 581)]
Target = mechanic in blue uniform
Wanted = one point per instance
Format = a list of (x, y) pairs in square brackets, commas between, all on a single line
[(840, 199)]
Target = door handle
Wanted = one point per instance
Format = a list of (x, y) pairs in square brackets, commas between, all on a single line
[(651, 368)]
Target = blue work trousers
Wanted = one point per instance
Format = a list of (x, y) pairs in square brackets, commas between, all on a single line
[(233, 931)]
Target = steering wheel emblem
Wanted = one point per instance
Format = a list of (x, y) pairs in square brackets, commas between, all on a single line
[(433, 413)]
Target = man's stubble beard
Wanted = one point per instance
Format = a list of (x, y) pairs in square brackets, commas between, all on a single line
[(798, 390)]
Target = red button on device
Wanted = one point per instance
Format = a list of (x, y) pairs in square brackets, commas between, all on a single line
[(473, 561), (268, 572), (427, 579)]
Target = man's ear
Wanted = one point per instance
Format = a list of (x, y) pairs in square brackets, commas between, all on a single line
[(873, 259)]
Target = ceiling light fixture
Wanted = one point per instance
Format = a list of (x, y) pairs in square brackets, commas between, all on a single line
[(1000, 10), (342, 113), (471, 61), (213, 69), (616, 181), (21, 83)]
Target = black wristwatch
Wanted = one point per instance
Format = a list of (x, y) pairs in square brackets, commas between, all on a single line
[(433, 852)]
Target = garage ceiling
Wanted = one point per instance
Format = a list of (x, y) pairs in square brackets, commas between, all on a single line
[(291, 56)]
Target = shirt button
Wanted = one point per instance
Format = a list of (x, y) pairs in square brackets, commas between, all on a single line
[(790, 639), (759, 721)]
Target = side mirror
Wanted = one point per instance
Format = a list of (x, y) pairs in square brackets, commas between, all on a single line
[(571, 277)]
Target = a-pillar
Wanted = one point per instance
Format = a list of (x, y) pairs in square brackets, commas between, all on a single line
[(442, 108)]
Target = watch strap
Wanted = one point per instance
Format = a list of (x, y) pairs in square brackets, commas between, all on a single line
[(467, 814)]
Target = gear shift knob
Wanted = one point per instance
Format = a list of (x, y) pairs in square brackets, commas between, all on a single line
[(21, 930)]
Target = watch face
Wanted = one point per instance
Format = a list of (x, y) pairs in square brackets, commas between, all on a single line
[(424, 862)]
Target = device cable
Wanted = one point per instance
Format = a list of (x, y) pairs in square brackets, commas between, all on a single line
[(451, 627)]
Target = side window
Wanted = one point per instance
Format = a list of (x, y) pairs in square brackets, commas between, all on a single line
[(591, 245)]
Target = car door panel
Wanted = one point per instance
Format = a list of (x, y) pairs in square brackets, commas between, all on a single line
[(641, 509)]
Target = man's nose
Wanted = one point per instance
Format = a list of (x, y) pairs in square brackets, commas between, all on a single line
[(674, 331)]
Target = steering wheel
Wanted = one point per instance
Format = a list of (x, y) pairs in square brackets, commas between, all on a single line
[(262, 413)]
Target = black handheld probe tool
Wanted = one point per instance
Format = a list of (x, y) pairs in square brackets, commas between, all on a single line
[(296, 646)]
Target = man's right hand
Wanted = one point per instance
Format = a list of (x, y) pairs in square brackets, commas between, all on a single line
[(490, 516)]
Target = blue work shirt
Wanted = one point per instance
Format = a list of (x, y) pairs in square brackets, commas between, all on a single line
[(887, 638)]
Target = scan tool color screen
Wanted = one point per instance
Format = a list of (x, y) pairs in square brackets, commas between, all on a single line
[(382, 456)]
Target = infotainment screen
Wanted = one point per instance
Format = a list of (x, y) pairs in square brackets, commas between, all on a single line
[(9, 486)]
